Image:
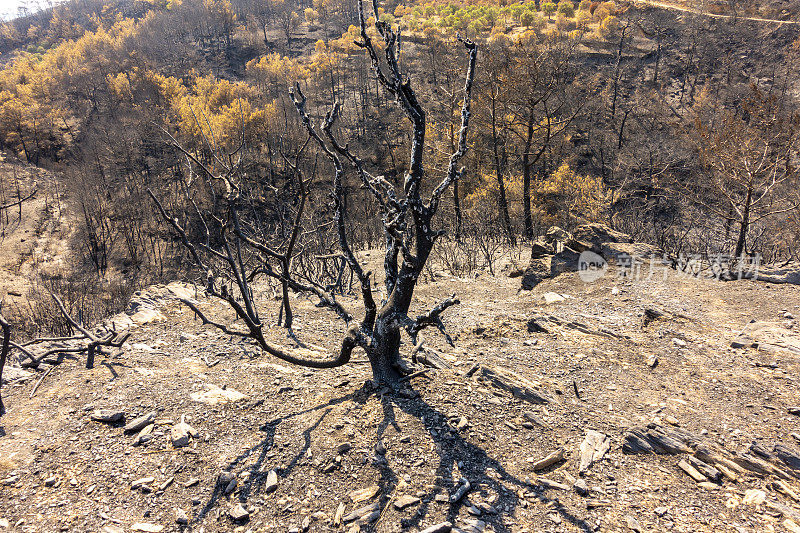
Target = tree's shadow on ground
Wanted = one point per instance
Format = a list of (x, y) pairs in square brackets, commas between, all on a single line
[(457, 458)]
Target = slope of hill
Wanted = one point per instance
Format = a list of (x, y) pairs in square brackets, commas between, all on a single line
[(273, 448)]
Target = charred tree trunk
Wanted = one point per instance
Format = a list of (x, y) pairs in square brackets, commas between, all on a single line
[(3, 354), (406, 220), (744, 225)]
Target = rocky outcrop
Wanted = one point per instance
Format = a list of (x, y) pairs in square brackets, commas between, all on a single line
[(559, 251)]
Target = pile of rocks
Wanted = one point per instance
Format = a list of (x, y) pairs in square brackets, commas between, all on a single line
[(559, 251)]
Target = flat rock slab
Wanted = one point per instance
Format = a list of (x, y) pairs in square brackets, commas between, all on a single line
[(443, 527), (768, 336), (109, 416), (405, 501), (363, 512), (147, 528), (238, 513), (592, 449), (511, 382), (13, 374), (138, 424), (146, 316), (362, 495), (214, 395)]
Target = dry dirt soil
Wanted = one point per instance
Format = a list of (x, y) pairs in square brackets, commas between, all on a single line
[(289, 449)]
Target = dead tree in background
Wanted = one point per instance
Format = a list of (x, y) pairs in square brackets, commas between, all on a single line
[(4, 349), (406, 217)]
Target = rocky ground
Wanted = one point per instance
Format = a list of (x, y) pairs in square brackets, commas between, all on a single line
[(538, 422)]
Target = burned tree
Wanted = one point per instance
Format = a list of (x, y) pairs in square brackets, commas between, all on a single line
[(407, 217), (4, 349)]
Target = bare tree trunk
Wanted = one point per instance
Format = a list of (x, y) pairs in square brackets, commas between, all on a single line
[(744, 225), (505, 219), (3, 354)]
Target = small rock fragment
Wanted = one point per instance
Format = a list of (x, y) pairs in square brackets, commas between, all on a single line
[(405, 501), (141, 482), (380, 448), (443, 527), (592, 449), (139, 423), (337, 518), (144, 435), (691, 471), (181, 517), (461, 491), (272, 481), (552, 297), (581, 487), (754, 496), (147, 528), (362, 495), (633, 524), (181, 433), (553, 458), (238, 513), (108, 416), (362, 512), (344, 448)]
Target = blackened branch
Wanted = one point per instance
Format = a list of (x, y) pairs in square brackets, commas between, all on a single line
[(453, 172)]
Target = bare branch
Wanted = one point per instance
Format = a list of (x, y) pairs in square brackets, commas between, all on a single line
[(452, 170), (20, 201)]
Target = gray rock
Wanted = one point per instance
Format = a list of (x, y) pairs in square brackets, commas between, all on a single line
[(592, 449), (344, 448), (238, 513), (362, 512), (181, 433), (405, 501), (598, 234), (181, 517), (556, 234), (442, 527), (225, 478), (461, 491), (564, 261), (581, 487), (108, 416), (272, 481), (541, 248), (537, 271), (707, 470), (138, 424), (655, 438)]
